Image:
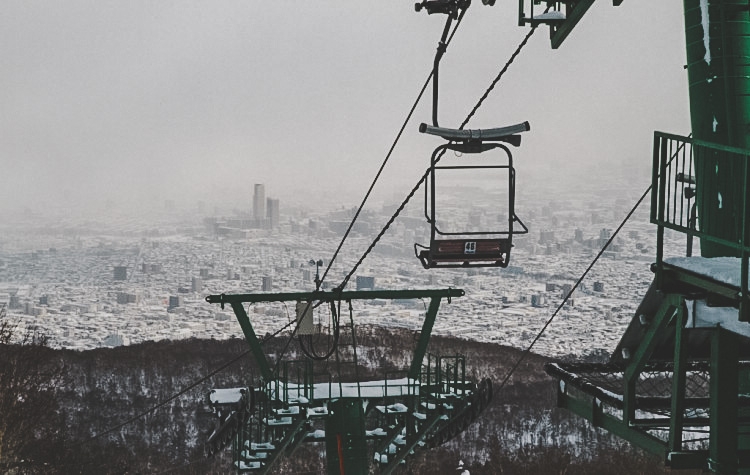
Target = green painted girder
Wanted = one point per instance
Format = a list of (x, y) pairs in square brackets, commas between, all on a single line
[(679, 379), (592, 411), (574, 16), (559, 29), (424, 339), (237, 300), (335, 295), (252, 340), (724, 389), (675, 274), (717, 37), (671, 305)]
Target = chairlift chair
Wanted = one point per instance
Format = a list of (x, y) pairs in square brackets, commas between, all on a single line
[(471, 248)]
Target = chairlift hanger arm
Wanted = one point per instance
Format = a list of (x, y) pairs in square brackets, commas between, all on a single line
[(454, 9), (504, 134)]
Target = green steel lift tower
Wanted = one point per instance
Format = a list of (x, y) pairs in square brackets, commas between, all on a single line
[(358, 422), (678, 383)]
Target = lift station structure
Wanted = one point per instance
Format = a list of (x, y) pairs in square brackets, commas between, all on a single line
[(678, 383), (360, 422)]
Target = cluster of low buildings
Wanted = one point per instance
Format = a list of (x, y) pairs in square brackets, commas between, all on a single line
[(122, 283)]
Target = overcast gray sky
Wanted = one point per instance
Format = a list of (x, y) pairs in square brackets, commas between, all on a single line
[(185, 100)]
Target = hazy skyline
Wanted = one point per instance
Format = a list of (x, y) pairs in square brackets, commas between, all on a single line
[(139, 101)]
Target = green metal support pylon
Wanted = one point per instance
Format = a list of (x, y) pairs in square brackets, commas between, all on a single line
[(717, 34)]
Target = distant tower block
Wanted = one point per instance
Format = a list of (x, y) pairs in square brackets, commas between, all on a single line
[(259, 203), (121, 273), (566, 290), (267, 284), (196, 285), (175, 301), (579, 235), (546, 237), (537, 300), (598, 287), (272, 212), (364, 282)]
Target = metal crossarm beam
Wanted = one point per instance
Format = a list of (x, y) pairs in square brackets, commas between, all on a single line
[(334, 295)]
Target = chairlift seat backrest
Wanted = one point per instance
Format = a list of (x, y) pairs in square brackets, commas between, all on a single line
[(471, 248), (469, 252)]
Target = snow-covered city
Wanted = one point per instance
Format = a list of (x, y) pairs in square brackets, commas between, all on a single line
[(123, 280)]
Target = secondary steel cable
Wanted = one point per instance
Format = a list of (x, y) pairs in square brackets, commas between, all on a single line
[(580, 279), (578, 282), (181, 392)]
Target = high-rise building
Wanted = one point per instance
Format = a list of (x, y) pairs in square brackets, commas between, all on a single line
[(267, 284), (175, 301), (127, 297), (365, 282), (259, 203), (121, 273), (196, 285), (272, 212)]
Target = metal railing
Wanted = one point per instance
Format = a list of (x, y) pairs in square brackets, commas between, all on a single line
[(445, 374), (688, 192), (701, 189)]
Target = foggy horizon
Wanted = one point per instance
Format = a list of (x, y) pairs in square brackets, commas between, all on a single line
[(135, 103)]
